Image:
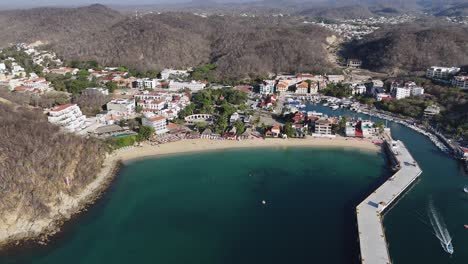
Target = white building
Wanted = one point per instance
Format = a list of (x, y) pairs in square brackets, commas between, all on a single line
[(2, 67), (167, 73), (146, 83), (157, 122), (193, 86), (358, 88), (95, 90), (267, 87), (431, 111), (68, 116), (400, 90), (436, 72), (122, 106), (460, 82)]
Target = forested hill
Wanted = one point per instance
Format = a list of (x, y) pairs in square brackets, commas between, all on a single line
[(412, 47), (239, 46), (53, 24), (38, 163)]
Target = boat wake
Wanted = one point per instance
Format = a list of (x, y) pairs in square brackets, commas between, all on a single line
[(439, 228)]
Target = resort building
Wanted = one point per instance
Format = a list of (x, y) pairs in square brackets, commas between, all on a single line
[(324, 126), (403, 90), (436, 72), (167, 74), (193, 86), (353, 63), (68, 116), (358, 88), (335, 78), (146, 83), (431, 111), (460, 82), (267, 87), (361, 128), (95, 90), (122, 106), (302, 88), (275, 131), (157, 122), (282, 87)]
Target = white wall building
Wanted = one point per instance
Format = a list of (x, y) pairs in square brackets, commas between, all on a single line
[(460, 82), (194, 86), (157, 122), (436, 72), (122, 106), (400, 90), (166, 73), (68, 116)]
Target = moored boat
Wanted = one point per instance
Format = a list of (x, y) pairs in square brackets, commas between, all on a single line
[(465, 189)]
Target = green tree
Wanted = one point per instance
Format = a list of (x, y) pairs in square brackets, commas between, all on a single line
[(144, 133), (111, 86), (288, 129), (240, 127)]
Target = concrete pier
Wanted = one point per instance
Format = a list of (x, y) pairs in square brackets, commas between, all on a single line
[(372, 240)]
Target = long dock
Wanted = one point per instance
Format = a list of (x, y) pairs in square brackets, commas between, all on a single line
[(373, 244)]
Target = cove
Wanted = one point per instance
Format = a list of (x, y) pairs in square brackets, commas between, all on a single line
[(207, 208)]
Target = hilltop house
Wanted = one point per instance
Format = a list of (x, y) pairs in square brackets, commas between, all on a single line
[(68, 116)]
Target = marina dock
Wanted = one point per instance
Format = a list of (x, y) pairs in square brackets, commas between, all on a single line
[(373, 245)]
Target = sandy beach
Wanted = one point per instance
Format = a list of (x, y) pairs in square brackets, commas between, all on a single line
[(14, 228), (196, 145)]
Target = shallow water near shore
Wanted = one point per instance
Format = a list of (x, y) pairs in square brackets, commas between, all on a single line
[(208, 208)]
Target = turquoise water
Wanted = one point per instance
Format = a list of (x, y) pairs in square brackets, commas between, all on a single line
[(410, 239), (207, 208)]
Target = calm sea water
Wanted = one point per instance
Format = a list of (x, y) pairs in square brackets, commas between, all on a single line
[(207, 208), (410, 237)]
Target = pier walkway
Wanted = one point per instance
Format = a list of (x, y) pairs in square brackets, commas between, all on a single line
[(372, 241)]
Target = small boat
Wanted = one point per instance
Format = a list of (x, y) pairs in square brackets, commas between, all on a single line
[(448, 247), (334, 107), (465, 226), (465, 189)]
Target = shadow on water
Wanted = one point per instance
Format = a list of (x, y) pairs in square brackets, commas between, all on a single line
[(25, 250)]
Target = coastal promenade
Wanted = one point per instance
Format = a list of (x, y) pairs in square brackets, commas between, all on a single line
[(369, 212)]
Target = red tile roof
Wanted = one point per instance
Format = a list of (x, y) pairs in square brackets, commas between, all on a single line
[(156, 118), (61, 107)]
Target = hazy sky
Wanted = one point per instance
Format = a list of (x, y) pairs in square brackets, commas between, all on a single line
[(33, 3)]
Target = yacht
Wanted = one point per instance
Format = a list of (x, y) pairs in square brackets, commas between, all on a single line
[(465, 189)]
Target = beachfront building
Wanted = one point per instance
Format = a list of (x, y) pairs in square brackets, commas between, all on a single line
[(401, 90), (361, 128), (68, 116), (122, 106), (157, 122), (324, 126), (460, 82), (162, 102), (436, 72)]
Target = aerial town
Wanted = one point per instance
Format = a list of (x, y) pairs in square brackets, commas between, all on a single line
[(166, 103)]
